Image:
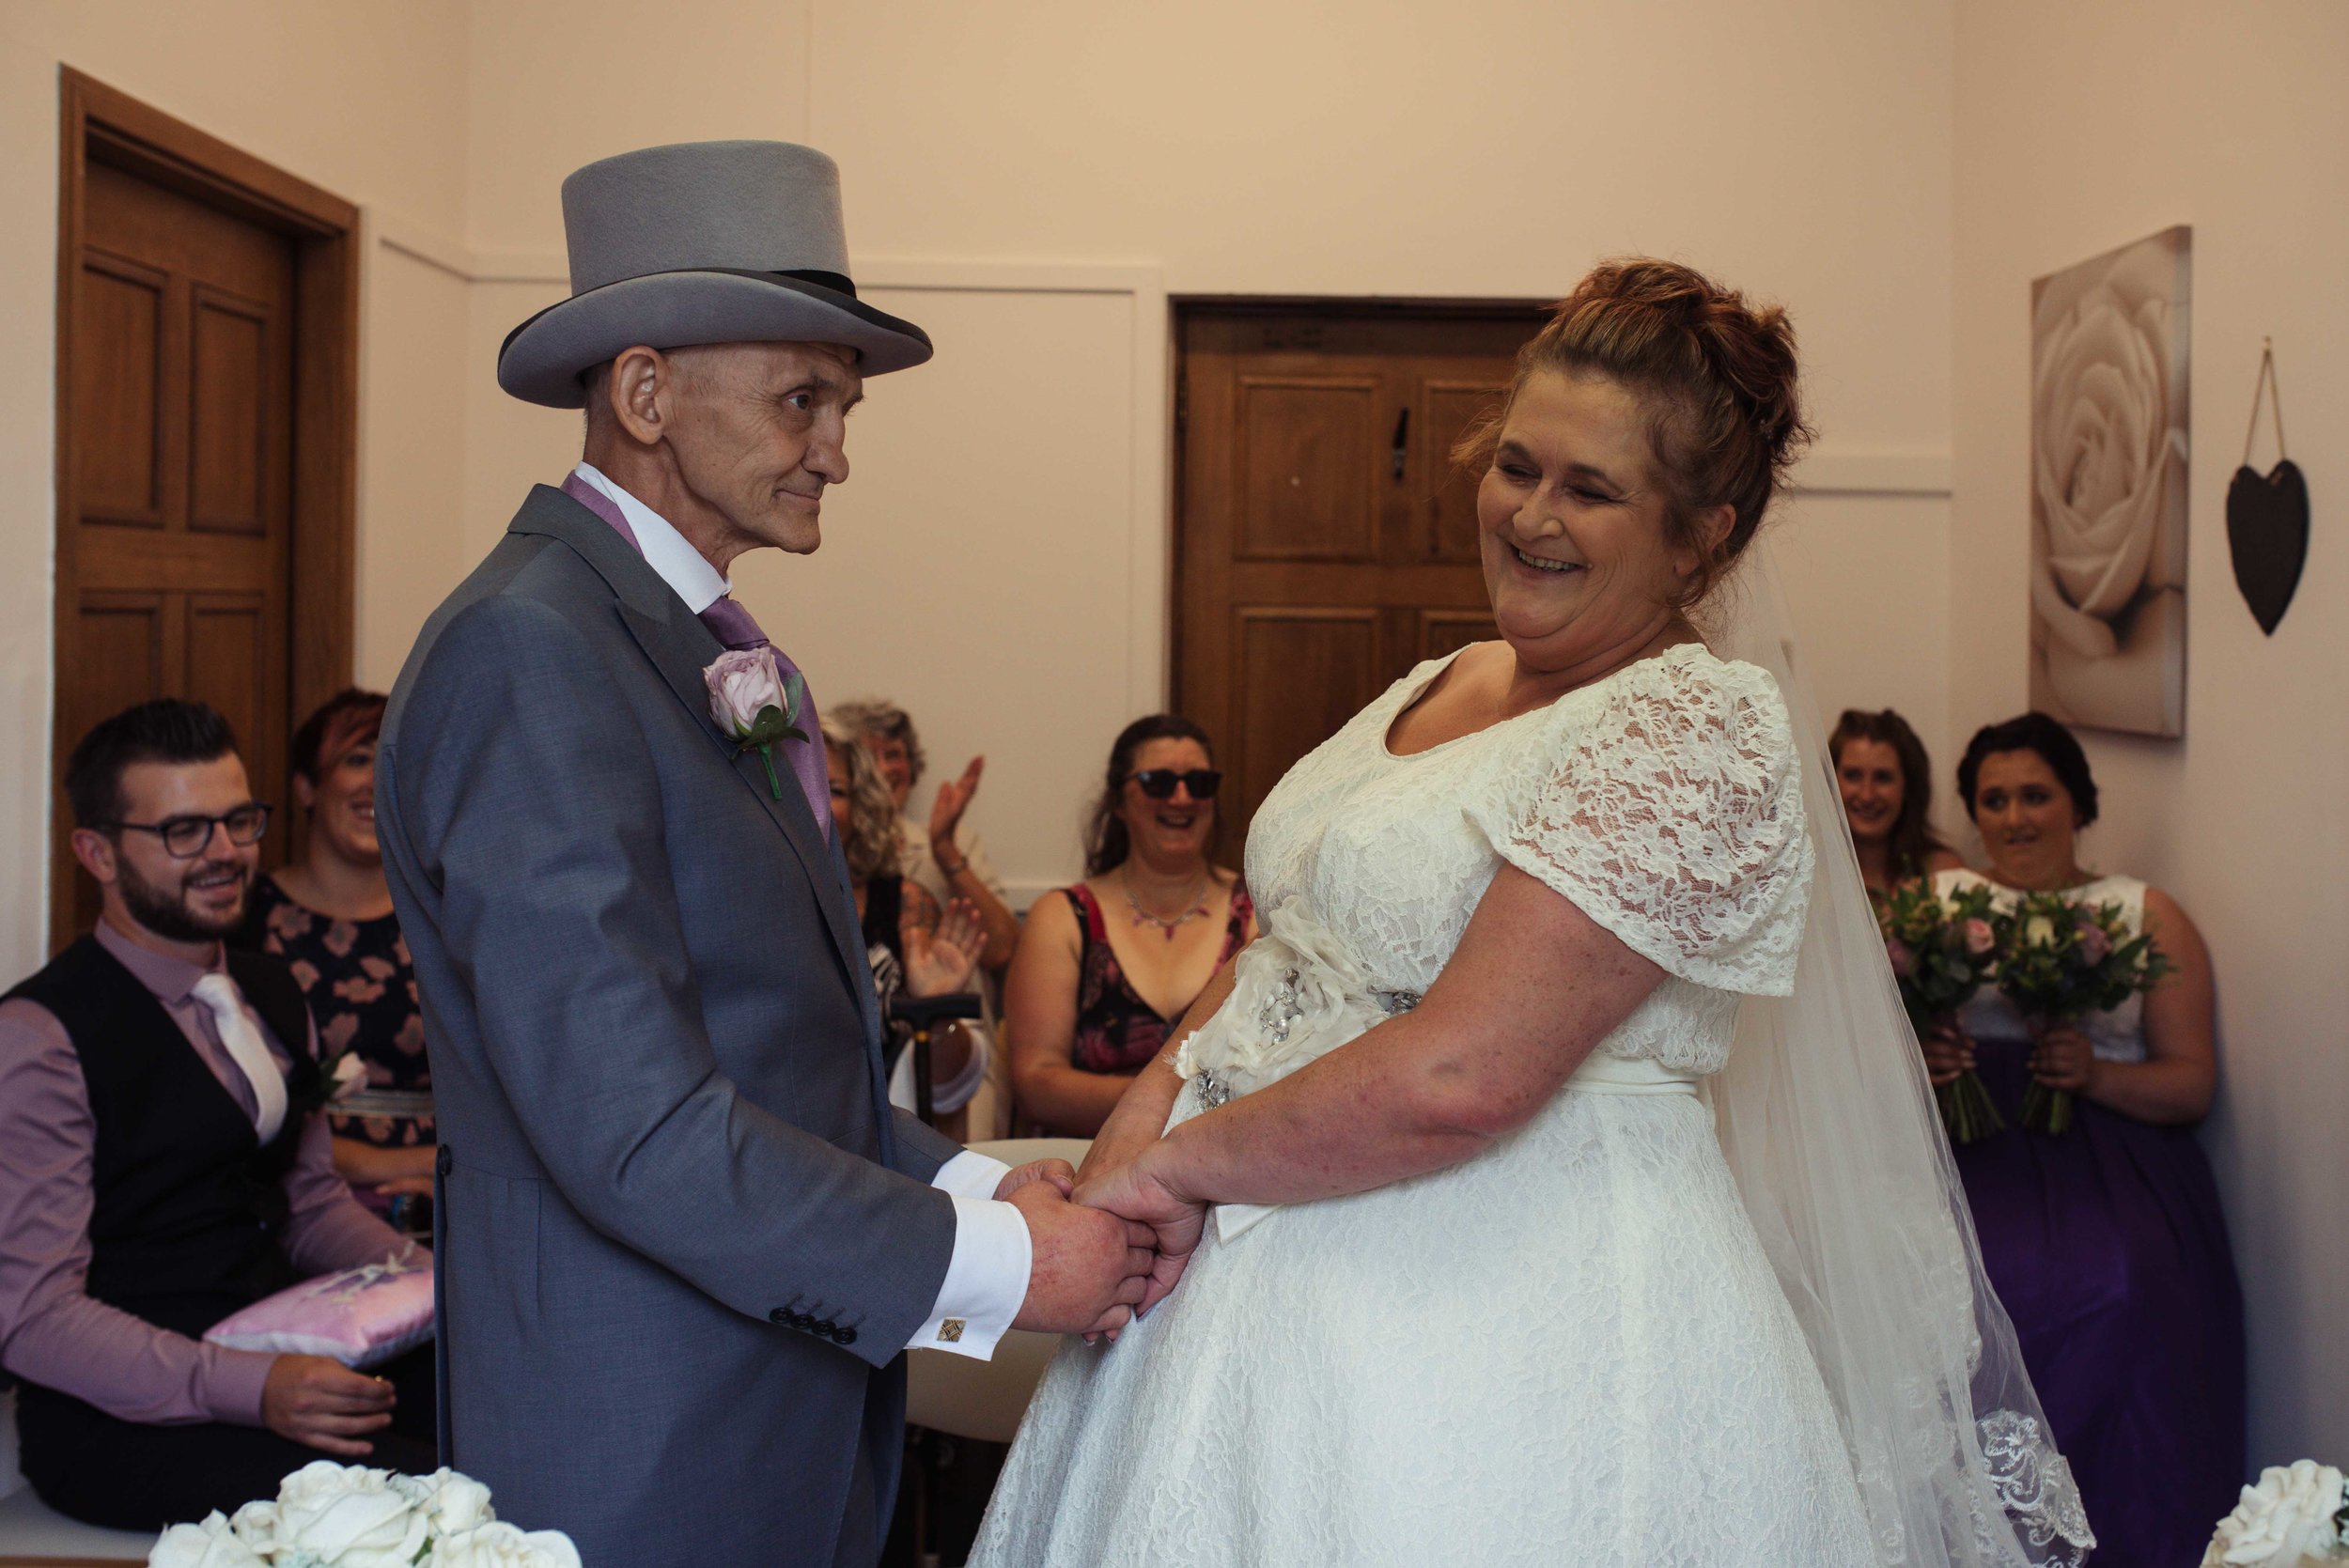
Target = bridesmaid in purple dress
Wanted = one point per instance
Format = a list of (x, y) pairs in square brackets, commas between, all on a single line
[(2105, 1241)]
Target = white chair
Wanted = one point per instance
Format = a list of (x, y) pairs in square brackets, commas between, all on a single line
[(31, 1536), (963, 1396)]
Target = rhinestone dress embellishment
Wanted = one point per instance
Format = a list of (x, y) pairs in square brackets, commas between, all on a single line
[(1281, 1009), (1213, 1090)]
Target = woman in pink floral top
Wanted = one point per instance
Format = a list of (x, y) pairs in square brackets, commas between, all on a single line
[(329, 915)]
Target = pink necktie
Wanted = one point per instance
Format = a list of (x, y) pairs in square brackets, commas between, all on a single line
[(735, 627)]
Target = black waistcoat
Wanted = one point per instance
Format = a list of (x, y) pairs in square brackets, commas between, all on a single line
[(188, 1206)]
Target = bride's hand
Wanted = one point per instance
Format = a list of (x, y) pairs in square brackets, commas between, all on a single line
[(939, 958), (1139, 1190)]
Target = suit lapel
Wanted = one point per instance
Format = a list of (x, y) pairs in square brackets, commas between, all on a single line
[(680, 648)]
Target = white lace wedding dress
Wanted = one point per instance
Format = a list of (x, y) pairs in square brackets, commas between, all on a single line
[(1570, 1349)]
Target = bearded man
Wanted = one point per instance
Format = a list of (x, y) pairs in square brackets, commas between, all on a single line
[(686, 1241), (164, 1162)]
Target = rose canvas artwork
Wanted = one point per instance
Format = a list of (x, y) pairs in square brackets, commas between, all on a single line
[(2109, 488)]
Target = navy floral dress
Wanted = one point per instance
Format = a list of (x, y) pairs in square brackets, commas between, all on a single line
[(362, 990)]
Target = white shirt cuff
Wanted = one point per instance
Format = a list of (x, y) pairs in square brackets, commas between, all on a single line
[(987, 1278), (971, 1175)]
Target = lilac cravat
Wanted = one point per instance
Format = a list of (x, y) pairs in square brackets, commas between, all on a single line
[(736, 628)]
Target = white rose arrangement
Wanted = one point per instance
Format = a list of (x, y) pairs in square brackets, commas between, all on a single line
[(330, 1515), (2296, 1514)]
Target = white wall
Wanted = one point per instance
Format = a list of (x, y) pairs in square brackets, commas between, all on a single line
[(2079, 128), (365, 99), (1493, 149)]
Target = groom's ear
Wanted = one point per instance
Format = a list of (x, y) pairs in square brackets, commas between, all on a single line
[(639, 394)]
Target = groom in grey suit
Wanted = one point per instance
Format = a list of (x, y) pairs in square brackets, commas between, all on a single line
[(683, 1240)]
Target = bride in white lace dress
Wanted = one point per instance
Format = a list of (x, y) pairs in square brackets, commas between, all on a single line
[(1478, 1284)]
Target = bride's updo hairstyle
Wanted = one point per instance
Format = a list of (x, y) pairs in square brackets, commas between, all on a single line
[(1718, 376)]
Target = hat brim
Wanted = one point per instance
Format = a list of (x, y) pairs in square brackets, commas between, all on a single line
[(543, 360)]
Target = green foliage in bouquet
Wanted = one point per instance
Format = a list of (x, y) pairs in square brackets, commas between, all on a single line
[(2059, 961), (1942, 951)]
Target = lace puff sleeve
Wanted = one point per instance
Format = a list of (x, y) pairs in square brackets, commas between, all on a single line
[(1668, 807)]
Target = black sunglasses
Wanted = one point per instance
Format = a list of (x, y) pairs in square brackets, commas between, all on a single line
[(185, 837), (1158, 782)]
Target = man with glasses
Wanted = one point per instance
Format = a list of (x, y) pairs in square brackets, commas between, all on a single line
[(162, 1164)]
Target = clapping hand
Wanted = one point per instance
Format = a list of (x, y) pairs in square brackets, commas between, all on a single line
[(939, 959), (952, 799), (1139, 1191)]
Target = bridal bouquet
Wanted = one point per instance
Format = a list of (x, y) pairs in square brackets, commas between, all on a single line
[(1943, 950), (330, 1515), (2293, 1516), (2059, 961)]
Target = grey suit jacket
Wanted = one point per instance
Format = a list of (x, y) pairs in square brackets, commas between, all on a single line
[(683, 1238)]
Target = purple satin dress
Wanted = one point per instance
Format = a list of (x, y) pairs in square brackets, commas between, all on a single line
[(2108, 1245)]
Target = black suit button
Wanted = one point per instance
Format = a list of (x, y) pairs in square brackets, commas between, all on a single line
[(845, 1336), (779, 1315), (443, 1160)]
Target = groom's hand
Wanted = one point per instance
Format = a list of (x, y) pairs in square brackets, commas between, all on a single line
[(1089, 1269), (1056, 1171)]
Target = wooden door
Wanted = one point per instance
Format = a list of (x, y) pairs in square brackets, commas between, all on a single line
[(175, 530), (1323, 543)]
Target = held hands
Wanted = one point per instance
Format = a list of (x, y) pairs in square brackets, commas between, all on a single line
[(939, 961), (2064, 1058), (1139, 1191), (1089, 1269), (319, 1402), (954, 799)]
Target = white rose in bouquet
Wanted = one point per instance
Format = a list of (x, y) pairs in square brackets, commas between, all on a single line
[(212, 1543), (348, 1516), (500, 1545), (2109, 441), (2291, 1518), (451, 1504)]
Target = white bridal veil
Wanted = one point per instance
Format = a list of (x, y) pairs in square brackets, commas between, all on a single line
[(1829, 1125)]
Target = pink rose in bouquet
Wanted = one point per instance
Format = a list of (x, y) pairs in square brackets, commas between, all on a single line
[(2061, 961)]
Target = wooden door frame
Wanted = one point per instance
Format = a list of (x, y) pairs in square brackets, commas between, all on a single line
[(1181, 308), (102, 122)]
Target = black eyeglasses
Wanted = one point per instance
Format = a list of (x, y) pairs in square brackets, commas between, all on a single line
[(1158, 782), (185, 837)]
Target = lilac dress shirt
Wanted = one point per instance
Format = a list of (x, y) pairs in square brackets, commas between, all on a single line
[(51, 1331)]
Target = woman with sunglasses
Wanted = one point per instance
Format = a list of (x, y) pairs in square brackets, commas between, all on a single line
[(1105, 968)]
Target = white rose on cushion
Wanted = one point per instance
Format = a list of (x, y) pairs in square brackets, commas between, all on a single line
[(2288, 1518), (2108, 443), (348, 1516), (210, 1545), (500, 1545)]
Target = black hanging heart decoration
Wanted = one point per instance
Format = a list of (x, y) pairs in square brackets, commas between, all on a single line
[(2267, 519), (2267, 533)]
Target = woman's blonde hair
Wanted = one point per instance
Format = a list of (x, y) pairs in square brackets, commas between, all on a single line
[(874, 842)]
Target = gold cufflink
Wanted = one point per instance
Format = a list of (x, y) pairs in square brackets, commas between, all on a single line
[(950, 1330)]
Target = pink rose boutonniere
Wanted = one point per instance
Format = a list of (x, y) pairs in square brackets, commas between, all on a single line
[(757, 705)]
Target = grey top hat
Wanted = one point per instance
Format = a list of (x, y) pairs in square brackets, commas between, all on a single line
[(701, 242)]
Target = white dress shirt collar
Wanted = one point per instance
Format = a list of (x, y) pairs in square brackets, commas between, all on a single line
[(685, 570)]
